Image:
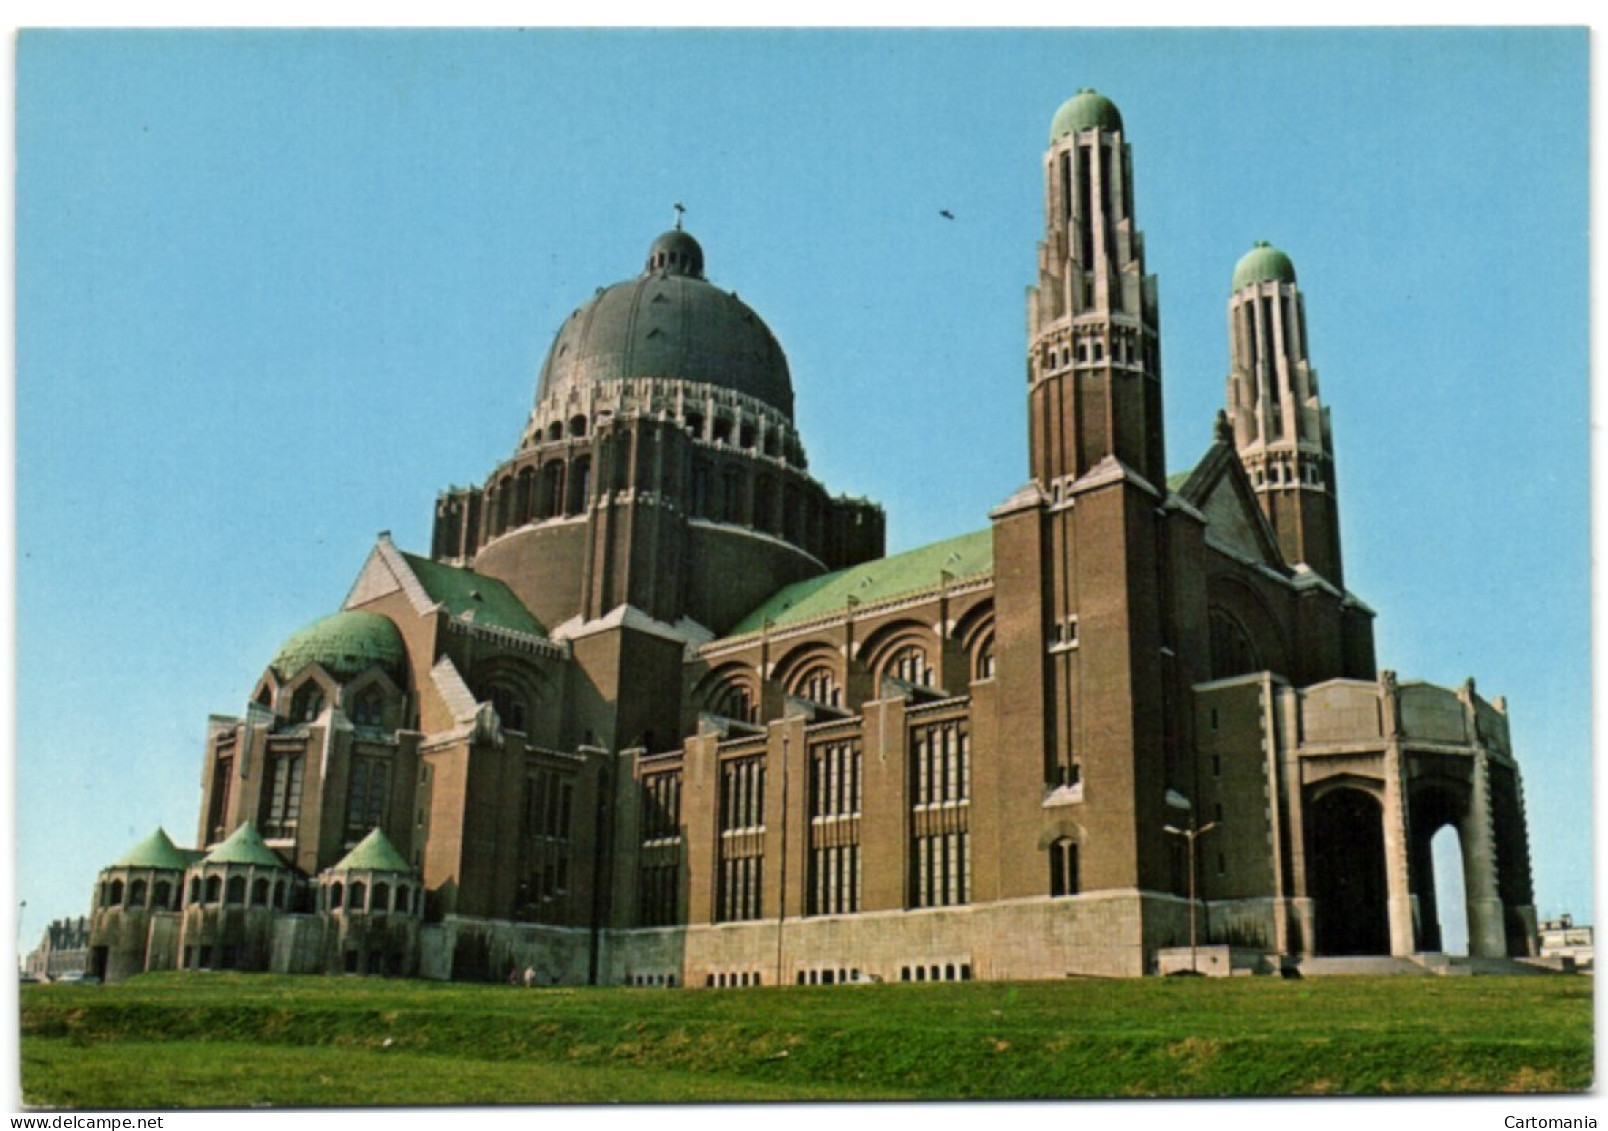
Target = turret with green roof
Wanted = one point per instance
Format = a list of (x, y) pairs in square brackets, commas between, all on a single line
[(244, 846), (1264, 263), (156, 851), (374, 853), (1085, 110)]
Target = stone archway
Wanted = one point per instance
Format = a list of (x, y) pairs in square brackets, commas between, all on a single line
[(1346, 872), (1432, 808)]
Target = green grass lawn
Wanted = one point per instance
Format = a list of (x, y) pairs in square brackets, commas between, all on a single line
[(175, 1040)]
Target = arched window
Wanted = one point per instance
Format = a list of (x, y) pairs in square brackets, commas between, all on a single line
[(765, 503), (510, 707), (819, 685), (552, 491), (505, 503), (279, 895), (731, 495), (700, 490), (580, 485), (136, 893), (369, 709), (985, 659), (380, 900), (525, 496), (162, 895), (355, 897), (577, 426), (910, 664), (259, 892), (115, 897), (195, 889), (214, 889), (555, 430), (1064, 867), (237, 889), (335, 893), (1232, 650), (400, 903), (307, 703)]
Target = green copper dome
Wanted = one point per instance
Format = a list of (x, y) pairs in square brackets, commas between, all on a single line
[(1264, 263), (374, 853), (1085, 110), (345, 644), (244, 846), (155, 851)]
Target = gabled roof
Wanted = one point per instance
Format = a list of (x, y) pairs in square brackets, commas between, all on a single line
[(910, 572), (156, 851), (374, 853), (464, 590), (244, 846), (1218, 487)]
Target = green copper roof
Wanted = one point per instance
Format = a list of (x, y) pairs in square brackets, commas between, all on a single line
[(155, 851), (463, 589), (374, 853), (1264, 263), (1177, 479), (345, 644), (1085, 110), (909, 572), (244, 846)]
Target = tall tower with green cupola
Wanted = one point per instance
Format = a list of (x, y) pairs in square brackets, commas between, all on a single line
[(1093, 363), (1281, 428)]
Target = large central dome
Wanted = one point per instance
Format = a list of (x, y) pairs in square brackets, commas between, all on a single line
[(669, 323)]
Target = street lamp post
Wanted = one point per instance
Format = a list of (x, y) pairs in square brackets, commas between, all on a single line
[(1178, 801)]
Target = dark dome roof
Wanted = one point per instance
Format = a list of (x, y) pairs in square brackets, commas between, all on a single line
[(669, 323)]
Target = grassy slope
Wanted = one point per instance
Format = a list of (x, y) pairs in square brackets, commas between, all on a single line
[(330, 1041)]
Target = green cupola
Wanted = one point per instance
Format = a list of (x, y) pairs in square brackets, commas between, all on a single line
[(155, 851), (374, 853), (1085, 110), (1264, 263), (345, 644)]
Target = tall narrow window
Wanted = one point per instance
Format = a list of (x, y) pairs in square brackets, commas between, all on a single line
[(367, 795), (218, 809), (1064, 867), (282, 803)]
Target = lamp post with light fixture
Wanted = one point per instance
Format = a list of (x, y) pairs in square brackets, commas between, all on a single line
[(1177, 800)]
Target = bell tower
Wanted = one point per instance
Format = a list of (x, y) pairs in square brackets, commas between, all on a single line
[(1080, 612), (1093, 363), (1281, 428)]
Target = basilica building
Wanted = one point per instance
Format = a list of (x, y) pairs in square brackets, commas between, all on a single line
[(654, 708)]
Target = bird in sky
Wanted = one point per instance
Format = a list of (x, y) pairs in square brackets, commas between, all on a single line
[(946, 214)]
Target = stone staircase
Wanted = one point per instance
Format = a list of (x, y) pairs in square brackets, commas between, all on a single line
[(1416, 965)]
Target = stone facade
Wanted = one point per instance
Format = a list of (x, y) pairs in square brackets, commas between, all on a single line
[(656, 710)]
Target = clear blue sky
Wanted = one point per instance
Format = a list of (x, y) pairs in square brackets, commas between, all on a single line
[(275, 290)]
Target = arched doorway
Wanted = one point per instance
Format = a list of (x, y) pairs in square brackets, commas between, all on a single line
[(1346, 873), (1437, 871)]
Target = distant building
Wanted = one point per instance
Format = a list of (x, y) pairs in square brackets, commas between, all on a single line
[(655, 709), (1563, 938), (63, 949)]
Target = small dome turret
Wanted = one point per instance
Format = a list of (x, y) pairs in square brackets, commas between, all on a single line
[(345, 644), (675, 253), (1264, 263), (1085, 110)]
